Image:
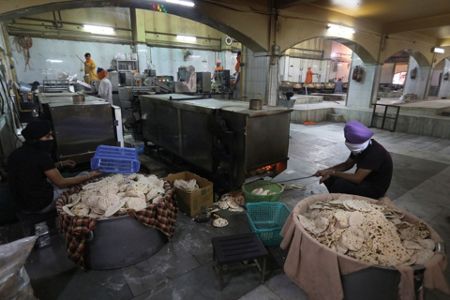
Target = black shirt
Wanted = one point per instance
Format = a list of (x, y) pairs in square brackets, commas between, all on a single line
[(379, 161), (27, 180)]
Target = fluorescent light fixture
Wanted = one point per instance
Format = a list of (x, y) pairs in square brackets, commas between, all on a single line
[(182, 2), (347, 3), (340, 29), (96, 29), (438, 50), (54, 61), (186, 38)]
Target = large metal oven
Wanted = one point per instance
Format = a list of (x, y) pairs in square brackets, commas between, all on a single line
[(223, 138), (80, 127)]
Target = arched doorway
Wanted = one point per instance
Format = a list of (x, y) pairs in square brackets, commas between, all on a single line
[(403, 77), (328, 68), (440, 81)]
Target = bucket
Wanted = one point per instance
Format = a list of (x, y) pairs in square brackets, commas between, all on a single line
[(78, 98), (255, 104)]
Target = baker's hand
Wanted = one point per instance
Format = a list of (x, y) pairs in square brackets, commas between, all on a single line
[(94, 173), (68, 163), (324, 174)]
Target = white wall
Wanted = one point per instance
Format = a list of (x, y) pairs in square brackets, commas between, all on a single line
[(65, 51), (165, 60), (418, 85), (255, 75), (444, 90), (360, 93)]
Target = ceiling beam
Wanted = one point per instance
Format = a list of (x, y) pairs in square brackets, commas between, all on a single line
[(281, 4), (417, 24)]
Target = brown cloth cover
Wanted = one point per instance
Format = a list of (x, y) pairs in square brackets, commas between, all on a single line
[(317, 269), (76, 230)]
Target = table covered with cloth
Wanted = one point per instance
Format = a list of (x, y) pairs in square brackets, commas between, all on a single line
[(317, 269), (76, 230)]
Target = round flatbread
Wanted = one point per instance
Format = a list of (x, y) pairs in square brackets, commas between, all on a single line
[(427, 243), (135, 203), (220, 222), (411, 245), (356, 219), (223, 204), (232, 204), (352, 239), (67, 210), (237, 209), (80, 210), (358, 205), (115, 206), (341, 219), (315, 226), (422, 256)]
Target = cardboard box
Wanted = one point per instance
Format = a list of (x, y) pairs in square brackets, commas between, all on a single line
[(194, 202)]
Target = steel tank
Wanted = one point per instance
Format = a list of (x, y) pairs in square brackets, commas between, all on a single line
[(223, 138)]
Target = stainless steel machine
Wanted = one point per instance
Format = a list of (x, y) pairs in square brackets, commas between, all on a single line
[(223, 138), (203, 82), (80, 126)]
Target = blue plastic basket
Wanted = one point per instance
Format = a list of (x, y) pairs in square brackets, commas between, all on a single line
[(266, 219), (112, 159)]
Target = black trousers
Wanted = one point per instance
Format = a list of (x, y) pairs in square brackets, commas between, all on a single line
[(339, 185)]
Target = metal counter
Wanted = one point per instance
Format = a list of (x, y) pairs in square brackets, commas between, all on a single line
[(79, 128), (224, 138)]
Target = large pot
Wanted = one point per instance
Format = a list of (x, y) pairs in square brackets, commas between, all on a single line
[(357, 279), (122, 241)]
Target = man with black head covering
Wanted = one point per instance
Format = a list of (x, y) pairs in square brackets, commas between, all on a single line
[(373, 165), (33, 176)]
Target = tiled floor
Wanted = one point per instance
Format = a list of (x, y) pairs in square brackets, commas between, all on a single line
[(183, 268), (421, 184)]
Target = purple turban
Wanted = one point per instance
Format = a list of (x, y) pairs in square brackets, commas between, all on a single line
[(356, 133)]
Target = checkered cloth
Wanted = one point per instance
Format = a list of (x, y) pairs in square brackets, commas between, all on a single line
[(76, 230)]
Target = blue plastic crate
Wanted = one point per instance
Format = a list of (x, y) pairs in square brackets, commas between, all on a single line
[(266, 219), (112, 159)]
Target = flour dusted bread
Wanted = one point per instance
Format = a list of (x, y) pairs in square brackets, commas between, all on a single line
[(371, 232)]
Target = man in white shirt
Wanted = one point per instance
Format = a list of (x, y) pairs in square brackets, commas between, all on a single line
[(105, 86)]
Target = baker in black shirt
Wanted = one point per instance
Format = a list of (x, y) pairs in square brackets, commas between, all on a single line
[(33, 175), (373, 165)]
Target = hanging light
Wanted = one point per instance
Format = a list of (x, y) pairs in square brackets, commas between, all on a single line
[(340, 29), (96, 29), (182, 2), (186, 38), (438, 50)]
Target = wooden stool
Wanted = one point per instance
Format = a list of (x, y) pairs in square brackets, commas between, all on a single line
[(238, 249)]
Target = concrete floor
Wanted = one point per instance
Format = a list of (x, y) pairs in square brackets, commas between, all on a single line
[(183, 268)]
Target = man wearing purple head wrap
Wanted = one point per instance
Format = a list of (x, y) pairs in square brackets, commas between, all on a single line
[(33, 176), (373, 165)]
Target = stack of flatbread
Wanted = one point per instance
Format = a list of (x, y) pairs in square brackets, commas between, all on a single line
[(373, 233), (114, 195)]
